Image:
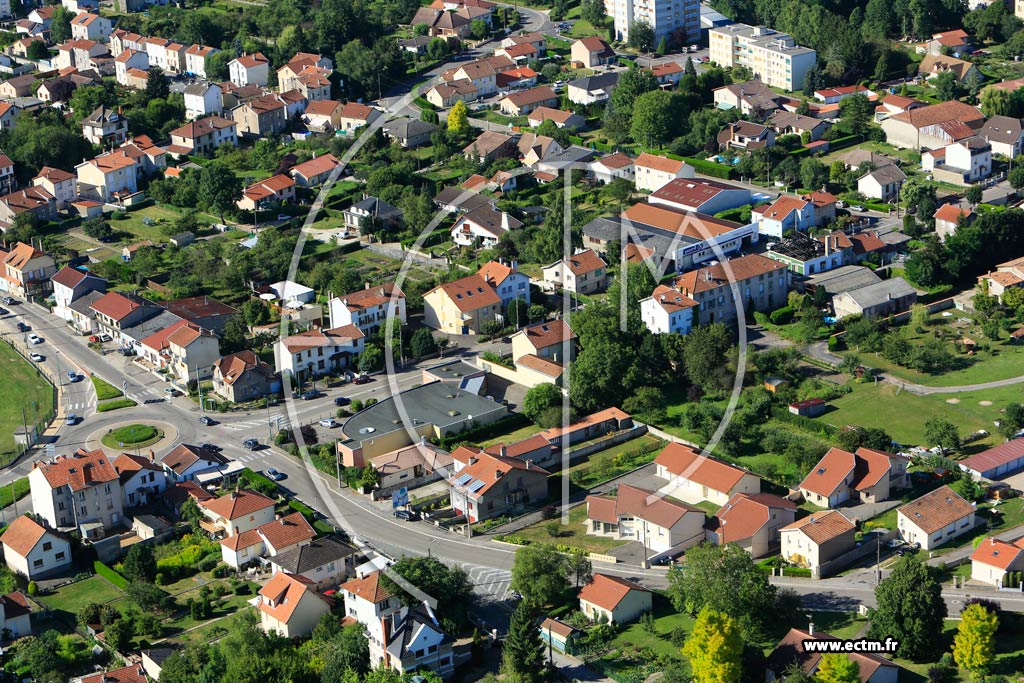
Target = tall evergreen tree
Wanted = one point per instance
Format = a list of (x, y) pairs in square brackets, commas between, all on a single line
[(523, 653), (910, 609)]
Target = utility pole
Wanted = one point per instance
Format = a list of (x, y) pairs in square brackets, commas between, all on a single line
[(199, 387)]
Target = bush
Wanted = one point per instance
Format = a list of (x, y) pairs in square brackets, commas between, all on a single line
[(710, 168), (782, 316), (242, 589), (107, 406), (110, 575), (161, 579), (834, 344), (33, 588), (207, 564)]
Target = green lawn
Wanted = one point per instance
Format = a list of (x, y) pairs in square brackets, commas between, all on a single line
[(18, 489), (30, 398), (104, 390), (572, 534), (606, 464), (138, 435), (902, 413), (66, 602), (161, 217), (518, 435)]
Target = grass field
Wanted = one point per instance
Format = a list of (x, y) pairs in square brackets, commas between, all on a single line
[(104, 390), (68, 600), (136, 435), (18, 489), (30, 398), (518, 435), (572, 534), (905, 413), (161, 217)]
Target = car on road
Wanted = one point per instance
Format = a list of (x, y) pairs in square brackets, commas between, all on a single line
[(171, 391), (311, 394), (22, 327), (407, 515), (251, 444), (104, 337), (3, 311), (341, 401), (283, 217), (37, 357), (71, 419), (274, 474), (362, 379), (73, 376), (35, 339), (7, 301), (329, 422), (207, 421), (857, 207), (212, 447)]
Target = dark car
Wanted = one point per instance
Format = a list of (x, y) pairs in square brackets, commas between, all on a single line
[(407, 515), (311, 394), (22, 327), (362, 379), (342, 401), (207, 421), (251, 444), (215, 447)]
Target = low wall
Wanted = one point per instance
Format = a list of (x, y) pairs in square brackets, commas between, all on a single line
[(576, 454), (866, 548)]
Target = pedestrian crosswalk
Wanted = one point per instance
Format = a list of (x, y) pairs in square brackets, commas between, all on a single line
[(278, 422), (490, 581)]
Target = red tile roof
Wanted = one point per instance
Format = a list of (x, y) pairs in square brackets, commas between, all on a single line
[(995, 553), (544, 334), (936, 510), (78, 471), (22, 535), (370, 588), (607, 591), (470, 293), (282, 595), (651, 506), (133, 673), (822, 527), (685, 462), (237, 504), (746, 514)]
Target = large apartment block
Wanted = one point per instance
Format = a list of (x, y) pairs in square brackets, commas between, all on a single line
[(774, 57), (664, 16)]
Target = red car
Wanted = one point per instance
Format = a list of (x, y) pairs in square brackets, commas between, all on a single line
[(362, 379), (94, 339)]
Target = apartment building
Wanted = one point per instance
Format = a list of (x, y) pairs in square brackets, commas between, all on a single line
[(665, 17), (773, 57), (80, 491), (763, 285)]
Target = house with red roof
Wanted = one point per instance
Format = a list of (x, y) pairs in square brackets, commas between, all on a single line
[(142, 478), (133, 673), (590, 52), (243, 376), (838, 94), (70, 285), (270, 539), (589, 427), (784, 214), (249, 69), (653, 172), (463, 306), (614, 600), (32, 550), (613, 166), (661, 524), (552, 340), (949, 217), (790, 651), (368, 308), (935, 518), (865, 476), (289, 607), (667, 311), (185, 349), (751, 521), (817, 539), (957, 41), (26, 272), (81, 491), (506, 280), (278, 188), (236, 512), (315, 171), (932, 126), (495, 485), (585, 272), (694, 478), (318, 352), (525, 101), (992, 560)]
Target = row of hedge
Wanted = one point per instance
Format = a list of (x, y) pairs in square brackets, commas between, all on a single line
[(116, 404), (710, 168), (482, 433), (110, 575)]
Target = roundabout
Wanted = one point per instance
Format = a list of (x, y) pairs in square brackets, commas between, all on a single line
[(131, 436), (134, 435)]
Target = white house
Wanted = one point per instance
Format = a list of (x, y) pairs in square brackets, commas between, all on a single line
[(993, 559), (70, 285), (585, 272), (882, 183), (484, 225), (615, 600), (202, 99), (317, 352), (368, 309), (80, 491), (963, 162), (33, 551), (142, 478), (659, 523), (249, 69), (693, 477), (89, 26), (667, 311), (185, 461), (935, 518), (289, 606), (508, 283), (236, 512), (654, 172), (612, 167), (784, 214), (275, 537), (126, 61), (325, 561), (195, 59), (818, 538)]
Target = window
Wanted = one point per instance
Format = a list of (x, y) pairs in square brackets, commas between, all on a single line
[(37, 563), (59, 557), (47, 546)]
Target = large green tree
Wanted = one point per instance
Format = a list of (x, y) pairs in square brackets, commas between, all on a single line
[(910, 609), (715, 648), (974, 645), (448, 585), (522, 659), (837, 668), (539, 574), (219, 189)]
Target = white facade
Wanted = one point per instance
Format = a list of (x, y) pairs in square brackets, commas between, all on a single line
[(651, 177), (772, 56), (664, 16), (48, 555), (202, 101), (667, 316), (143, 486), (249, 69), (366, 314), (63, 508)]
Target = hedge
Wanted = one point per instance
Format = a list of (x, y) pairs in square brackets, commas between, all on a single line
[(807, 424), (843, 142), (110, 575), (781, 316), (710, 168), (107, 406), (482, 433)]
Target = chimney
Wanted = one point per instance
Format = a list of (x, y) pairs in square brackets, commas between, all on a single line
[(810, 629), (367, 286), (423, 441), (662, 298), (828, 244), (152, 455), (281, 520), (504, 221), (472, 461), (497, 473), (503, 451), (529, 464)]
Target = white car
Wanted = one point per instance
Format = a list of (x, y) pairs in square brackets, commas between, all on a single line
[(330, 423), (35, 339), (857, 208), (37, 357)]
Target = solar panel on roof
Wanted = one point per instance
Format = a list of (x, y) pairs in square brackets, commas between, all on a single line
[(461, 481), (476, 486)]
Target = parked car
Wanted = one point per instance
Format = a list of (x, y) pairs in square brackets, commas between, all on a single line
[(94, 339), (7, 301), (73, 376), (283, 217), (171, 391), (251, 444), (37, 357), (362, 379), (71, 419), (214, 447), (329, 422), (35, 339), (104, 337), (857, 207), (274, 474), (311, 394), (22, 327), (407, 515), (207, 421), (3, 311), (341, 401)]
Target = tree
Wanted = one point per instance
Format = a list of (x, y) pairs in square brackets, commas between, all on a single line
[(540, 398), (422, 343), (219, 189), (449, 585), (945, 85), (217, 65), (715, 648), (191, 514), (706, 347), (347, 652), (655, 117), (139, 564), (538, 574), (458, 119), (813, 174), (662, 46), (882, 67), (837, 668), (235, 336), (522, 659), (1013, 420), (1016, 177), (479, 29), (118, 634), (592, 11), (648, 403), (60, 25), (975, 641), (641, 36), (158, 87), (37, 50), (855, 112), (941, 433), (725, 579), (97, 228), (910, 609), (371, 359), (973, 195)]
